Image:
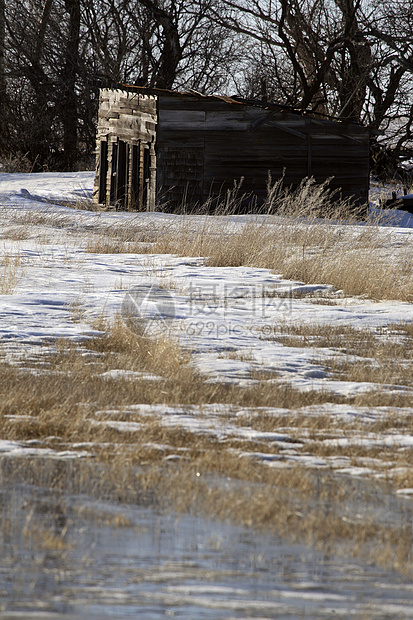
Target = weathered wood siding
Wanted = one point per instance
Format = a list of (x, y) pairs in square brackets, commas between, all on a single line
[(128, 119), (203, 145), (183, 149)]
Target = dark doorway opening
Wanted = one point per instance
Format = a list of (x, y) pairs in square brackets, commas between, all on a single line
[(103, 171)]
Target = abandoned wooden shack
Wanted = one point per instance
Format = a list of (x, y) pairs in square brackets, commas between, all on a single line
[(164, 149)]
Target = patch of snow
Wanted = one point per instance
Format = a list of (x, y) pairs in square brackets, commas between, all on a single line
[(120, 373), (405, 492), (16, 448)]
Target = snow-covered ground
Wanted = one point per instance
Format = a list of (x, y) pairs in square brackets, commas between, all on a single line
[(53, 286), (224, 315), (214, 309)]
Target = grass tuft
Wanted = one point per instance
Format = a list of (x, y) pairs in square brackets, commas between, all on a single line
[(11, 271)]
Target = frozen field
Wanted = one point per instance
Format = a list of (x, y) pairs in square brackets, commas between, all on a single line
[(244, 327)]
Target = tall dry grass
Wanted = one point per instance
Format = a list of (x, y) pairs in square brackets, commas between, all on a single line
[(71, 401), (56, 397), (11, 272), (304, 234), (55, 402), (388, 342), (338, 248)]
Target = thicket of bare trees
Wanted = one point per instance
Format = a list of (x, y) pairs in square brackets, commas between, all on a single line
[(346, 58), (56, 51)]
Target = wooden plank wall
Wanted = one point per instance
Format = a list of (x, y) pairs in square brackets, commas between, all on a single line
[(126, 116), (203, 145)]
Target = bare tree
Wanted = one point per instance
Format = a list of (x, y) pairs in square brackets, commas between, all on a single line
[(69, 77), (3, 82), (346, 58), (318, 53), (166, 18), (57, 48), (30, 88), (388, 27), (176, 43), (43, 67)]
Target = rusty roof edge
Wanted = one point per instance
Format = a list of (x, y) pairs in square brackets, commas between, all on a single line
[(234, 99)]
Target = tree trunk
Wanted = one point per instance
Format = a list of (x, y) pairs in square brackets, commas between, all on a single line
[(40, 137), (171, 53), (69, 99), (356, 62), (3, 84)]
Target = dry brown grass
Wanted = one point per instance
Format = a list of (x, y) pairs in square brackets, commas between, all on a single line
[(132, 236), (389, 373), (341, 337), (301, 246), (42, 538), (387, 352), (27, 218), (107, 245), (383, 343), (288, 237), (300, 505), (61, 395), (211, 480), (388, 358), (337, 249), (102, 518), (16, 233), (272, 507), (11, 272), (84, 203), (312, 253), (121, 240), (58, 396)]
